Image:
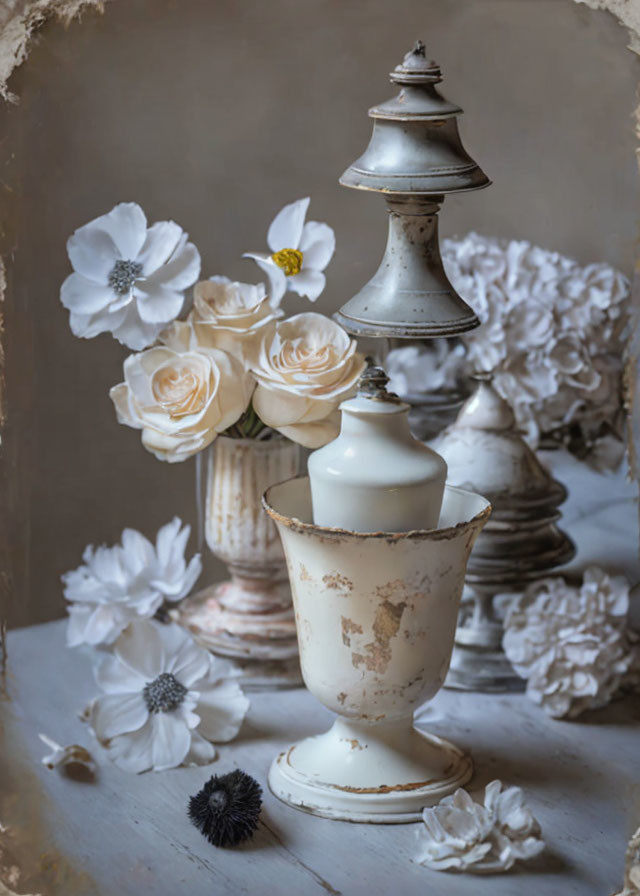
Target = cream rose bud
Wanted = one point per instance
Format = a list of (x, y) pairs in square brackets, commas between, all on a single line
[(306, 366), (232, 316), (181, 399)]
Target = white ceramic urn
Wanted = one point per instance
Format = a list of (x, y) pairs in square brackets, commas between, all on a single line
[(376, 615), (376, 568), (375, 477)]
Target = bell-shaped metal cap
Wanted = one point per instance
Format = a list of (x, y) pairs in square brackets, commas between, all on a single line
[(505, 469), (409, 296), (415, 146)]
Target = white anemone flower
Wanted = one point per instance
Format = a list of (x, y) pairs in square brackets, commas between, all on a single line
[(128, 581), (129, 279), (165, 700), (299, 253)]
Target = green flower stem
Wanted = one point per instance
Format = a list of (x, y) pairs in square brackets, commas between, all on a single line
[(249, 426)]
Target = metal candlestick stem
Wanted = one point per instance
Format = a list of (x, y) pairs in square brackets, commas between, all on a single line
[(415, 157)]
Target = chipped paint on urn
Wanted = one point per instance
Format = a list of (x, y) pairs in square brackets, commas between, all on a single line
[(249, 617), (376, 616)]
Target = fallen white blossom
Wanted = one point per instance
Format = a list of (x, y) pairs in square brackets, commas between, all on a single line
[(462, 835)]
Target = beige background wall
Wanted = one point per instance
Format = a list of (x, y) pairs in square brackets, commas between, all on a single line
[(217, 113)]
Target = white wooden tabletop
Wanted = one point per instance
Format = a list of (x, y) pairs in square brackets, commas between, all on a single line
[(128, 835)]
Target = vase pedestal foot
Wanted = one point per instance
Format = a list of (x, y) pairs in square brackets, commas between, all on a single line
[(363, 772), (261, 646), (265, 675), (476, 668)]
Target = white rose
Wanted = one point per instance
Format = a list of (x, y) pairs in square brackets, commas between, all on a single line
[(232, 316), (305, 367), (181, 399)]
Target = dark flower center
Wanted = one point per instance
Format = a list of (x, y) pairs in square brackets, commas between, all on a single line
[(164, 694), (227, 808), (218, 800), (123, 275)]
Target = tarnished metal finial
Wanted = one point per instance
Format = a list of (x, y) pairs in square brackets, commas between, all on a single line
[(414, 159), (416, 68), (373, 383)]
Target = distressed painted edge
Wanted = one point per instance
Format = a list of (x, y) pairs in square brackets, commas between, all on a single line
[(20, 19)]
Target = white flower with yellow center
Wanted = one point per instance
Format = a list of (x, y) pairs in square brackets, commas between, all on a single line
[(165, 700), (299, 252), (129, 279)]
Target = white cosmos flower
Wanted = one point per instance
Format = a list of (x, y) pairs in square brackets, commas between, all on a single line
[(165, 700), (129, 279), (298, 254), (129, 581)]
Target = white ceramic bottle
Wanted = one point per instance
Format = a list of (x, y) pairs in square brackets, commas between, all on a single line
[(375, 477)]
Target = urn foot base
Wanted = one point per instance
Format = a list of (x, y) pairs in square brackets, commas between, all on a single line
[(475, 668), (266, 675), (384, 774), (262, 646)]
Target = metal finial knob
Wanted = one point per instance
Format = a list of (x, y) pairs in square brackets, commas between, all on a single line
[(373, 383), (416, 68)]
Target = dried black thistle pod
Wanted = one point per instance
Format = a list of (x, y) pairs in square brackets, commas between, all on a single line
[(227, 808)]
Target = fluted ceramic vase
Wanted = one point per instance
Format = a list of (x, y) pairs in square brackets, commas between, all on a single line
[(249, 617)]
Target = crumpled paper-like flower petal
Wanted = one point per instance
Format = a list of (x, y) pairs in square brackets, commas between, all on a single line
[(552, 334), (462, 835), (570, 643), (128, 581)]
